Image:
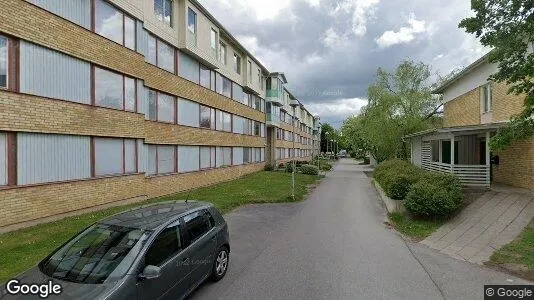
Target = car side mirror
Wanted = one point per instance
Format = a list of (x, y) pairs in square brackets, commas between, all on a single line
[(150, 272)]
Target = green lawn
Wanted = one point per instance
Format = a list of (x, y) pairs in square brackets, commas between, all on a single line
[(518, 256), (22, 249), (413, 228)]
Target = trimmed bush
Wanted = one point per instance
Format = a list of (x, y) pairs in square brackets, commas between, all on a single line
[(309, 169), (289, 167), (325, 166), (396, 177), (268, 167), (435, 195)]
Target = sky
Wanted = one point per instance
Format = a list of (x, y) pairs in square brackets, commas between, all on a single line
[(330, 50)]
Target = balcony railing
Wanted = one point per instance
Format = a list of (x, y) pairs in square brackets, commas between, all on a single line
[(469, 175)]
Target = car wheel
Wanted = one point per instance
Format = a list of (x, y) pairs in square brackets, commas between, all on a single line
[(220, 264)]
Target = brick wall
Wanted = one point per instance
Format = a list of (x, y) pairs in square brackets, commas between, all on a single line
[(516, 165), (504, 105), (462, 111)]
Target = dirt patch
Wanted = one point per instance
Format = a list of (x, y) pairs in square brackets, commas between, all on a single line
[(518, 270)]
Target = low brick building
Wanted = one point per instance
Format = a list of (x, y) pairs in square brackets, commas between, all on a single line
[(474, 109)]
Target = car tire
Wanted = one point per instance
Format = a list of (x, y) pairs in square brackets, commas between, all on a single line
[(220, 264)]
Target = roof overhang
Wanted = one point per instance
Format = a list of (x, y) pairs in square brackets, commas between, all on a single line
[(459, 129), (440, 89), (279, 74)]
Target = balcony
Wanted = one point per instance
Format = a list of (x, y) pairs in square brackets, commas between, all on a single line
[(274, 97), (272, 120)]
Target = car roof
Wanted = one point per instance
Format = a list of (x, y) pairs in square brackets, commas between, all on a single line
[(150, 217)]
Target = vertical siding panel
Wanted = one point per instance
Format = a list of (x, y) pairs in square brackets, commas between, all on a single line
[(76, 11), (45, 72), (142, 156), (49, 158), (141, 97)]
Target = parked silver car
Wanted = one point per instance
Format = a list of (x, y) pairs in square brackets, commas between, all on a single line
[(160, 251)]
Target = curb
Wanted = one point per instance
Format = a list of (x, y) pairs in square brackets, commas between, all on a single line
[(391, 205)]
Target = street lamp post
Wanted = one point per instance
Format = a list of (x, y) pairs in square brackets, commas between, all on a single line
[(294, 104)]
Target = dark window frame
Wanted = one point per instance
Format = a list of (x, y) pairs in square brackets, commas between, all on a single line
[(123, 79), (124, 16)]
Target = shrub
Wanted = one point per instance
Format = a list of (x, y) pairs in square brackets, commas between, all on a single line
[(309, 169), (435, 195), (289, 168), (268, 167), (281, 166), (396, 177), (325, 166)]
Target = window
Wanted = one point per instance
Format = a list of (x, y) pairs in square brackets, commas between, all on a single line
[(152, 105), (3, 62), (227, 87), (151, 51), (3, 159), (213, 42), (205, 77), (224, 156), (114, 156), (165, 108), (108, 89), (54, 158), (188, 159), (188, 113), (222, 53), (207, 117), (218, 83), (166, 159), (227, 122), (189, 68), (205, 158), (165, 56), (196, 225), (163, 11), (257, 128), (487, 97), (259, 78), (165, 246), (434, 146), (237, 92), (113, 24), (246, 155), (237, 156), (191, 21), (130, 94), (238, 125), (237, 64)]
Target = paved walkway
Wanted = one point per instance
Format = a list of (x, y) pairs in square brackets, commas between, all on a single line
[(335, 245), (489, 223)]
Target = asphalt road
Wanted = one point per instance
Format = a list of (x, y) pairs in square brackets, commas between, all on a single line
[(335, 245)]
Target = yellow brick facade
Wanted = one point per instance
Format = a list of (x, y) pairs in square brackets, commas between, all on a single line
[(516, 165), (505, 105), (463, 111)]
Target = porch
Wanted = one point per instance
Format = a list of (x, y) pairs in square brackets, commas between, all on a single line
[(463, 151)]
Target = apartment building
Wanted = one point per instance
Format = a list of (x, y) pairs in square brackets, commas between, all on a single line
[(474, 109), (106, 101)]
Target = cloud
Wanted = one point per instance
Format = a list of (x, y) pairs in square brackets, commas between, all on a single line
[(405, 34), (338, 108)]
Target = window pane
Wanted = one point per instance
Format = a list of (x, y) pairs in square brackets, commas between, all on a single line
[(129, 32), (3, 159), (152, 111), (212, 87), (3, 62), (152, 163), (108, 89), (237, 156), (227, 87), (213, 39), (227, 156), (222, 53), (219, 157), (168, 12), (158, 9), (246, 155), (164, 247), (227, 122), (237, 92), (108, 21), (219, 120), (151, 54), (205, 157), (165, 56), (219, 83), (196, 224), (188, 113), (189, 68), (205, 77), (129, 97), (108, 156), (165, 108), (213, 118), (188, 158), (205, 117), (238, 124), (212, 154), (191, 20), (166, 159), (130, 158)]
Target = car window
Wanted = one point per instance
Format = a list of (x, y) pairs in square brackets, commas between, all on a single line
[(196, 225), (166, 245)]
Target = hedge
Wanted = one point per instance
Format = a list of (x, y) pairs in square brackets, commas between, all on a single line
[(309, 169), (425, 194)]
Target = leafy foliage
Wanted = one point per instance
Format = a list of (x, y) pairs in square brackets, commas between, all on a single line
[(396, 177), (508, 27), (400, 103), (435, 195), (309, 169)]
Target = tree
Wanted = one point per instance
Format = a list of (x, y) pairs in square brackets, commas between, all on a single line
[(328, 133), (400, 103), (508, 27)]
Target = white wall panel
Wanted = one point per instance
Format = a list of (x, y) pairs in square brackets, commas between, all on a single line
[(470, 81), (238, 156), (50, 158), (76, 11), (3, 159), (188, 113), (52, 74), (142, 156), (108, 156)]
